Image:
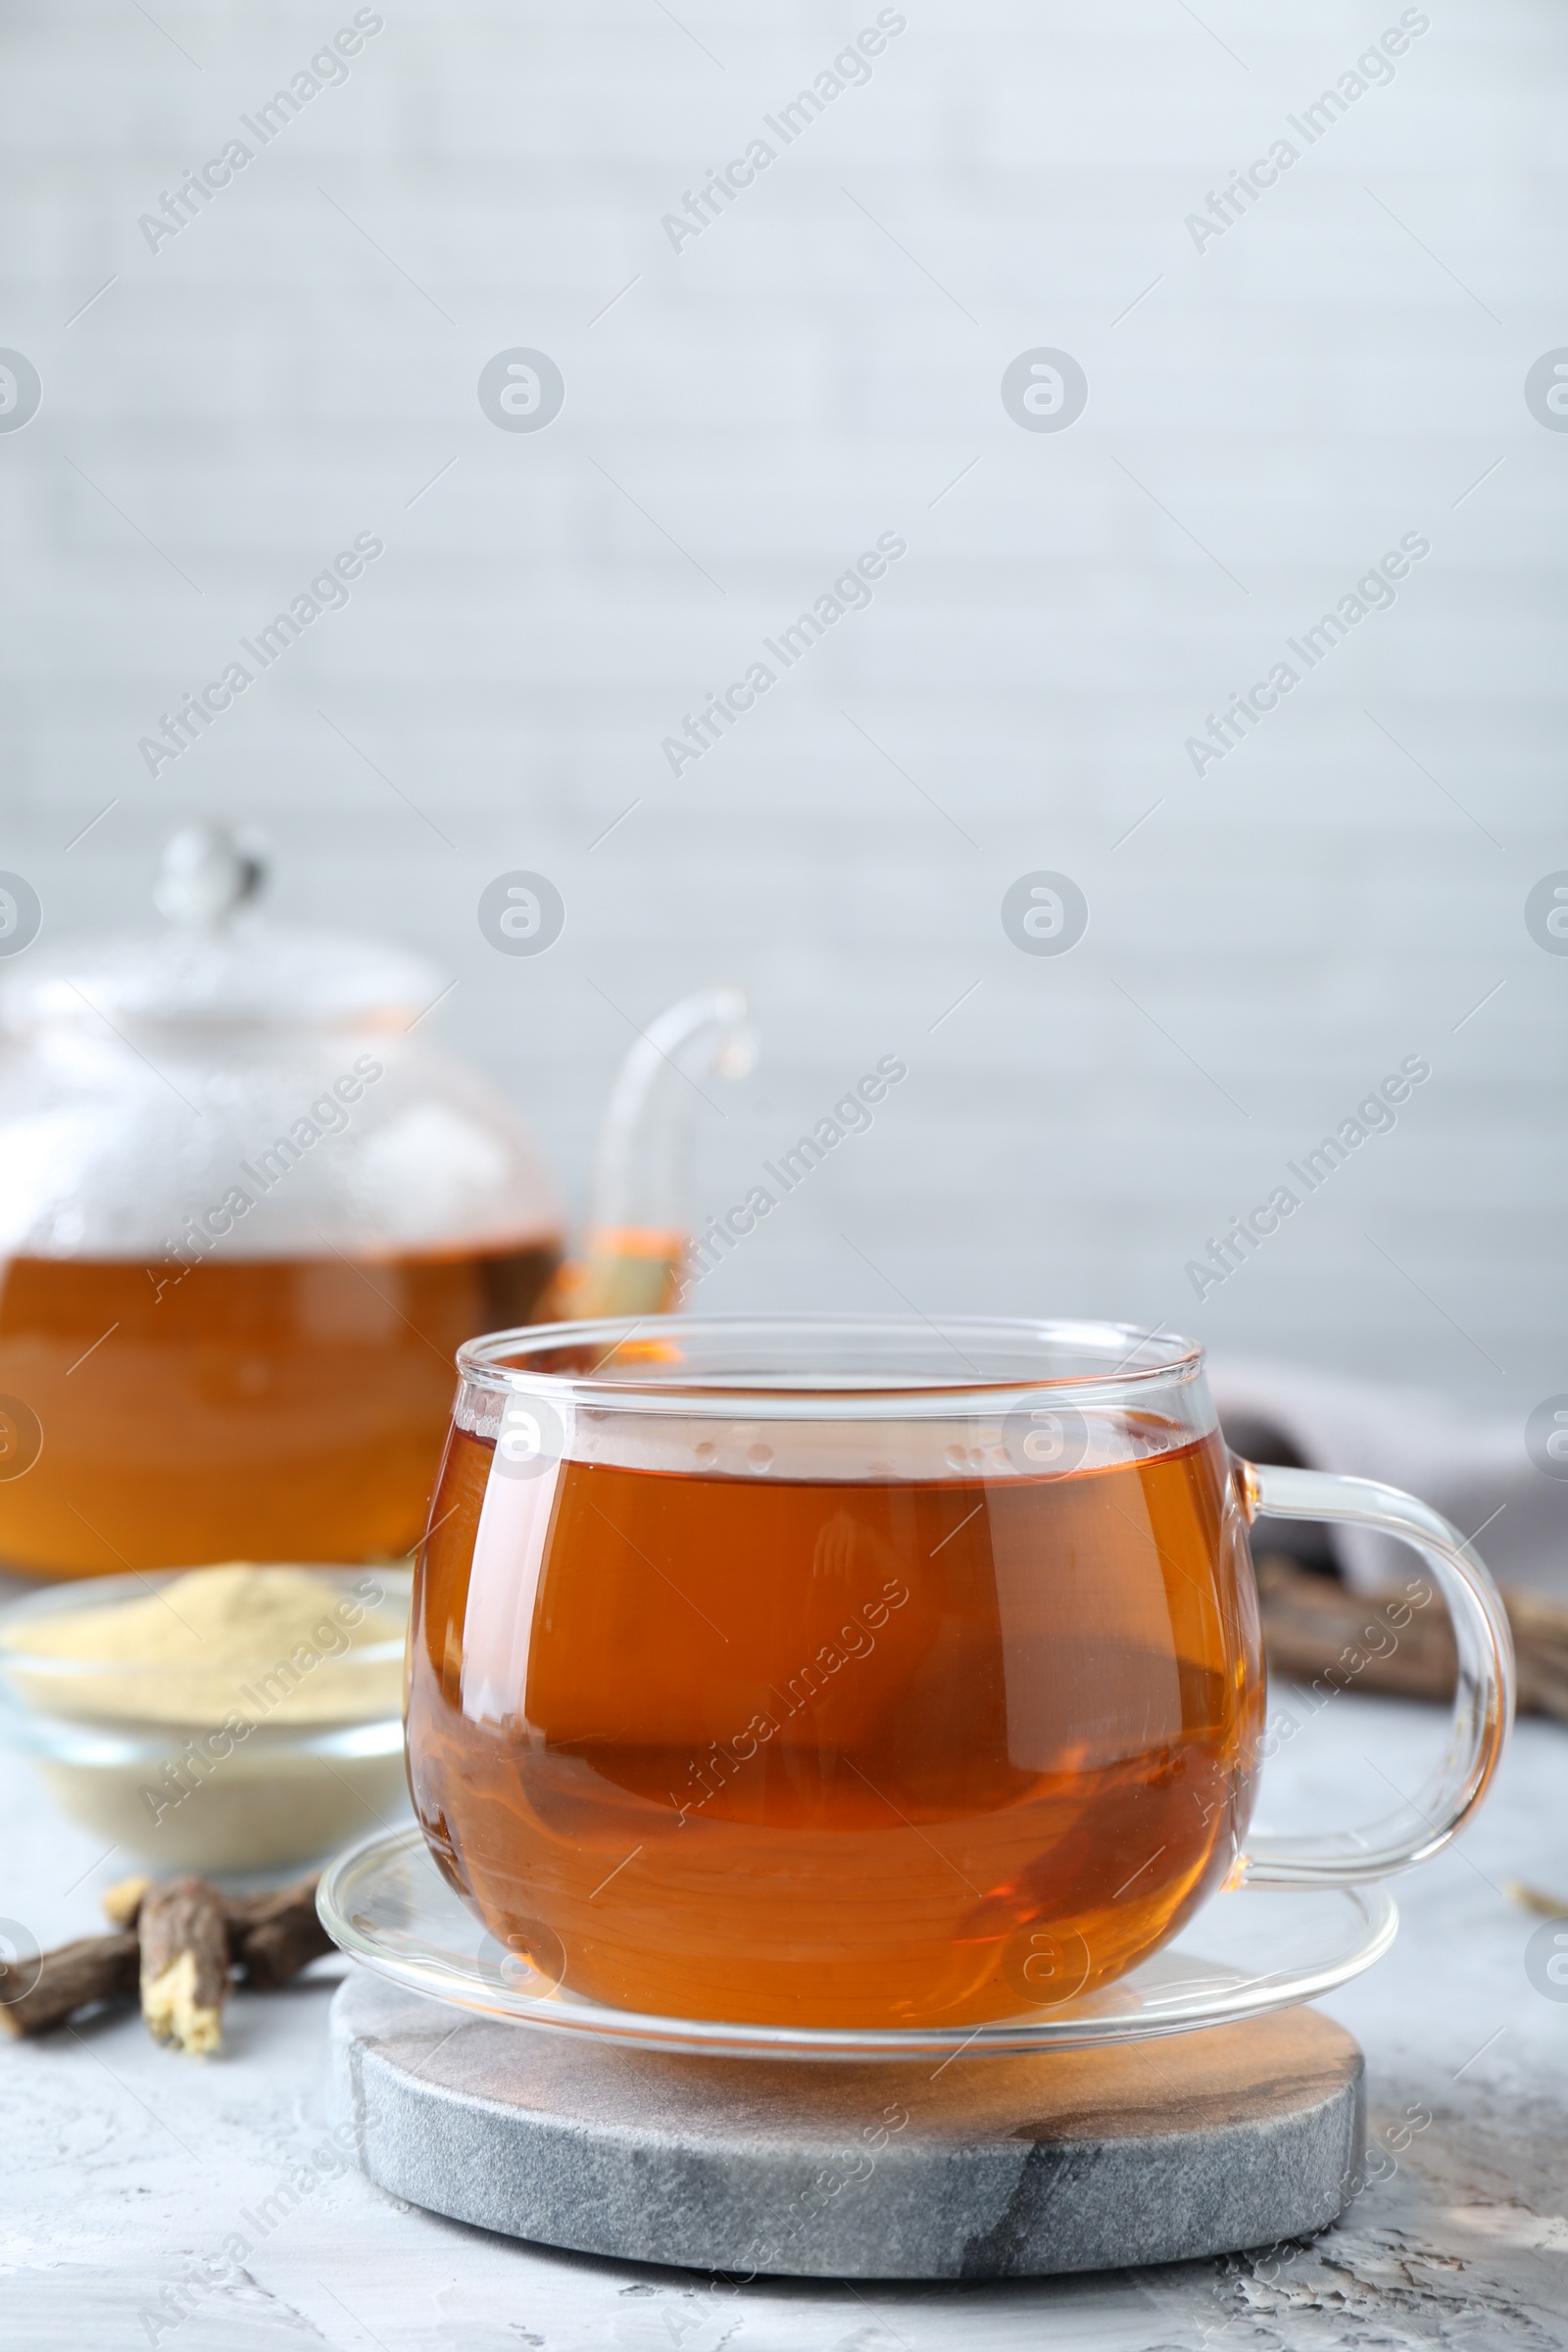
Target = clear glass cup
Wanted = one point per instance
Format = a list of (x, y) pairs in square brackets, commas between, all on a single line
[(861, 1673)]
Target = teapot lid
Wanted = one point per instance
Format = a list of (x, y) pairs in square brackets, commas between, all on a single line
[(221, 963)]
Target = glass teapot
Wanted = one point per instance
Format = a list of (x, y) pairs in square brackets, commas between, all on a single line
[(247, 1214)]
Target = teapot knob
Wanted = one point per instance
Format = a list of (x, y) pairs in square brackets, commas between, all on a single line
[(206, 874)]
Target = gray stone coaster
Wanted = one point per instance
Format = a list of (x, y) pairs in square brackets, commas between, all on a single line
[(982, 2168)]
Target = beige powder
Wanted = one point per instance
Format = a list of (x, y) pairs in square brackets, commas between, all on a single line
[(276, 1646)]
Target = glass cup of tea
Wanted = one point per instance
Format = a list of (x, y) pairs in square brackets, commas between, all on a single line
[(839, 1672)]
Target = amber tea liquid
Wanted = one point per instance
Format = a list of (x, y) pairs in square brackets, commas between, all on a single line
[(264, 1409), (840, 1754)]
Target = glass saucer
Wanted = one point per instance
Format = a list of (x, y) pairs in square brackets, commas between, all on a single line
[(385, 1903)]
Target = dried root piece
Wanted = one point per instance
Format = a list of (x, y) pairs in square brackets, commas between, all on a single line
[(185, 1964), (1535, 1898), (37, 1994), (1315, 1629), (122, 1900), (177, 1942), (1540, 1643), (273, 1936)]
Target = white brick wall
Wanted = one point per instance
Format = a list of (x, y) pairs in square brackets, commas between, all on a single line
[(787, 386)]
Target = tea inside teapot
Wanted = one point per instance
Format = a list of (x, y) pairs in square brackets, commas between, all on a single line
[(248, 1216)]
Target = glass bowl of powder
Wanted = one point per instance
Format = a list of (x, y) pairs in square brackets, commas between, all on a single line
[(233, 1718)]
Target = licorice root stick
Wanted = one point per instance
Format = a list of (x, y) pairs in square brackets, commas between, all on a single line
[(185, 1964)]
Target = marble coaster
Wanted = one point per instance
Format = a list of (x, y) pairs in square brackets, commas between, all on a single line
[(979, 2168)]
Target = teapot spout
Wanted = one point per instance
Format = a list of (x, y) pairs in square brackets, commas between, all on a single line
[(640, 1205)]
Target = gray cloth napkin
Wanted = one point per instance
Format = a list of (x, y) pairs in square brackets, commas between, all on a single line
[(1472, 1468)]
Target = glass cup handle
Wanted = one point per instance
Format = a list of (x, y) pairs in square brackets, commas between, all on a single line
[(1482, 1705)]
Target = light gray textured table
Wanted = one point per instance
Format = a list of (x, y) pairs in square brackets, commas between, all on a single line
[(124, 2170)]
